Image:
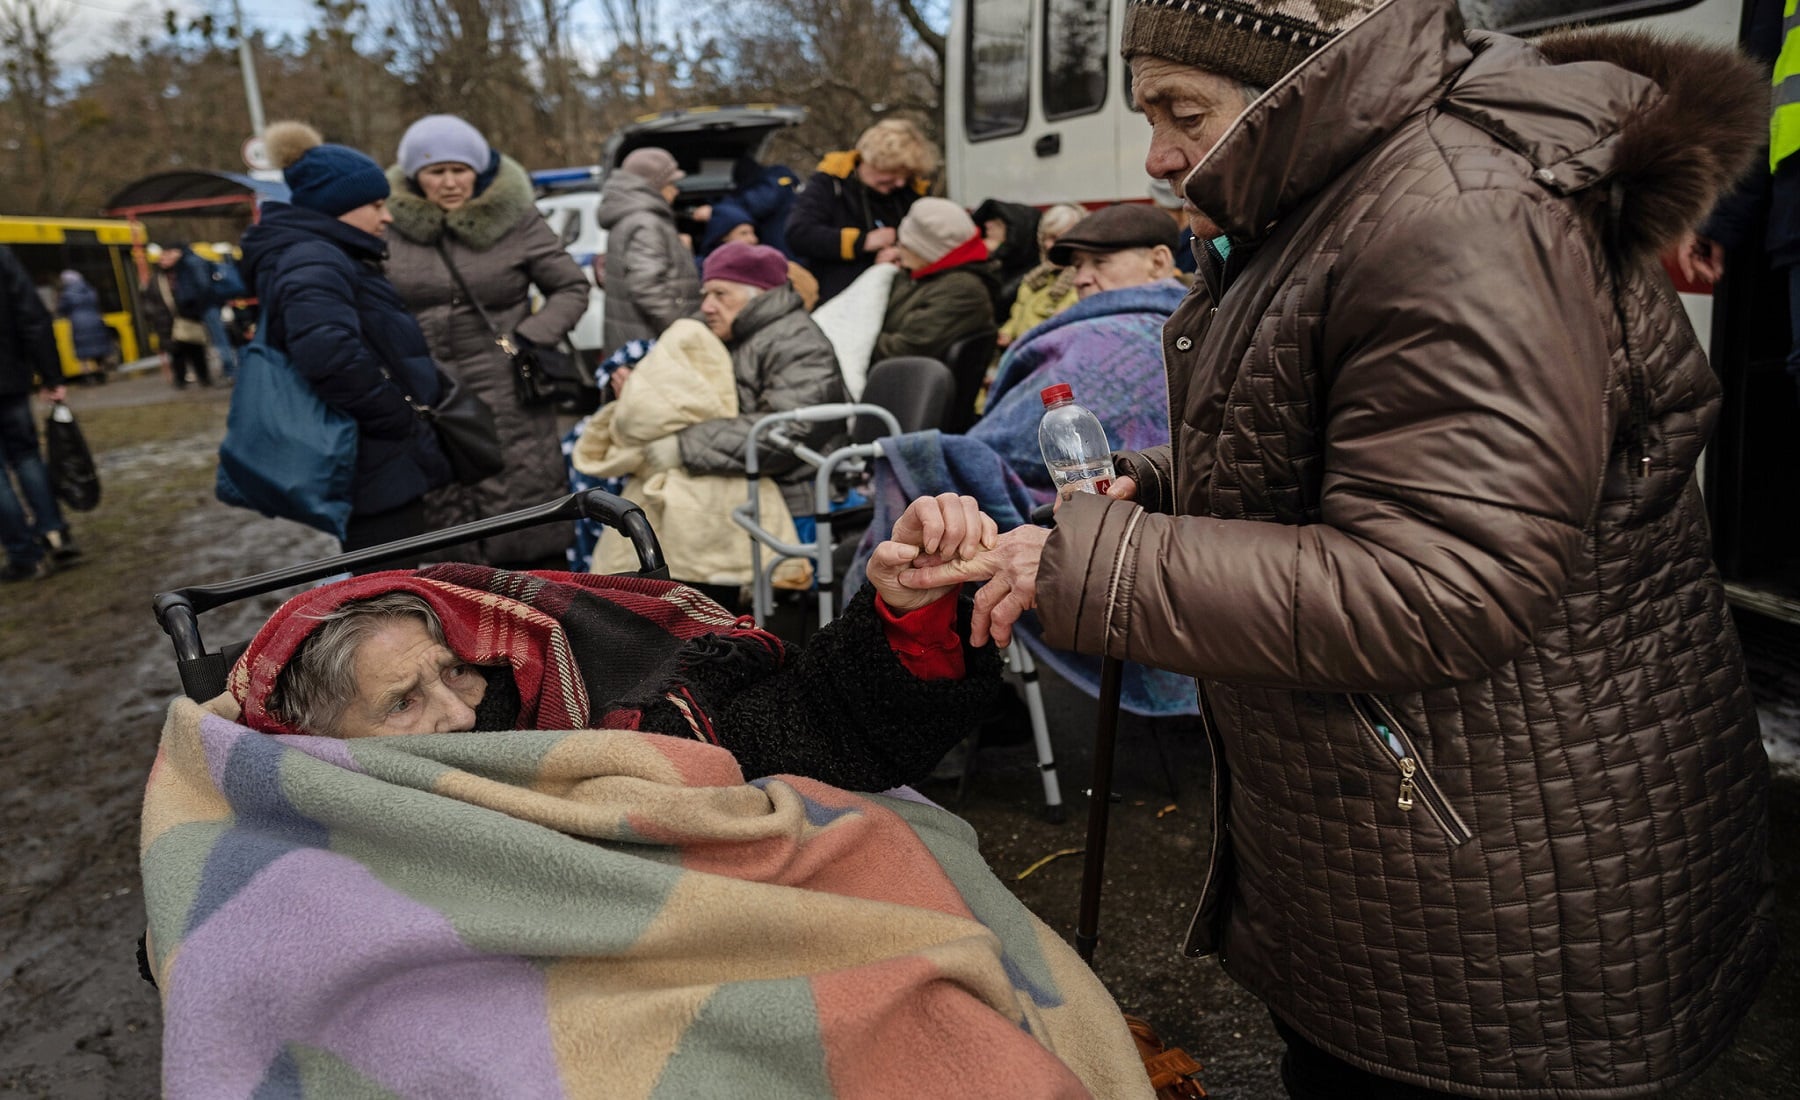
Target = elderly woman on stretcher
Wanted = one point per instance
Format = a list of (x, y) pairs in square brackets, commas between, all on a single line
[(630, 861)]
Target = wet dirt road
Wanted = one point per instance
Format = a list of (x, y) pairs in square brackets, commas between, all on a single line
[(85, 674)]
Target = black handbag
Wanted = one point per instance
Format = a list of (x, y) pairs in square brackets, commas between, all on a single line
[(466, 431), (541, 375), (71, 465), (465, 427)]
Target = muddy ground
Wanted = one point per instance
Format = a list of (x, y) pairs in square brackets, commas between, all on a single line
[(85, 674)]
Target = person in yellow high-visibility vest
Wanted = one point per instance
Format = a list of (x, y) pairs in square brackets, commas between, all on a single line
[(1765, 202)]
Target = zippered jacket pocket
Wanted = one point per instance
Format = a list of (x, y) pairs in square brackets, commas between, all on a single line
[(1417, 789)]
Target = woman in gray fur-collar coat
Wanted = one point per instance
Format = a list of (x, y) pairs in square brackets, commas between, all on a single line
[(451, 189)]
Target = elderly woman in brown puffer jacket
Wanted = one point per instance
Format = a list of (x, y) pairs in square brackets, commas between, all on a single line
[(456, 201)]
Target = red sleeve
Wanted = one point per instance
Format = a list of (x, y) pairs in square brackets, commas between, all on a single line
[(924, 638)]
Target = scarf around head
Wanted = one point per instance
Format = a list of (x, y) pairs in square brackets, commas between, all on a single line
[(581, 647)]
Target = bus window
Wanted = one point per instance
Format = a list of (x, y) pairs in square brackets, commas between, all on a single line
[(998, 89), (1075, 57), (1533, 16)]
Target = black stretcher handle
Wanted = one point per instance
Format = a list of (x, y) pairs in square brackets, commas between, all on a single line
[(178, 610)]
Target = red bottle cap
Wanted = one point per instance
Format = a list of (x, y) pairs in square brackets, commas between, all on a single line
[(1059, 392)]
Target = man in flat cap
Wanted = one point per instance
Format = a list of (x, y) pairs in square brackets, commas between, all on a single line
[(1490, 803), (1117, 247)]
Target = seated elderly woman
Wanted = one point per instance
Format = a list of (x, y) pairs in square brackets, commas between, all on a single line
[(354, 890), (1108, 347)]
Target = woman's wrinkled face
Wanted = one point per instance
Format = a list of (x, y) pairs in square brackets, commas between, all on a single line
[(1188, 110), (448, 185), (721, 300), (408, 682)]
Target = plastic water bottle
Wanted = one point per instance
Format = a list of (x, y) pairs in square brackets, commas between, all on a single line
[(1074, 444)]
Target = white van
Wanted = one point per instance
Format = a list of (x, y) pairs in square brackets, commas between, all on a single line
[(1037, 102)]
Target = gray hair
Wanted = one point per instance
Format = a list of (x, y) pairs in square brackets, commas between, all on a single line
[(320, 680), (1057, 220), (1252, 92)]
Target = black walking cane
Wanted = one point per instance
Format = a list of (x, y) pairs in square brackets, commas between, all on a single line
[(1087, 921)]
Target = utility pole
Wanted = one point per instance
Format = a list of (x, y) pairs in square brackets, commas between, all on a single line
[(247, 63)]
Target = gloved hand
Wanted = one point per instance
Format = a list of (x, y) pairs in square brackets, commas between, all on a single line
[(662, 454)]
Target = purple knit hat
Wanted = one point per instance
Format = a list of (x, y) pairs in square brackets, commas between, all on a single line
[(755, 265)]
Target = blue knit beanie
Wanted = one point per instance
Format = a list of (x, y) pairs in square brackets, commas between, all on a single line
[(332, 179)]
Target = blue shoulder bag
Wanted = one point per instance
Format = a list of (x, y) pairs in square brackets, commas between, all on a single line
[(286, 453)]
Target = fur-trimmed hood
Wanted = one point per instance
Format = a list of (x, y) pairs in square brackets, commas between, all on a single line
[(1672, 123), (478, 223), (1673, 128)]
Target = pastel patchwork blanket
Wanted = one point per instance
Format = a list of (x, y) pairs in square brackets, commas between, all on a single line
[(589, 913)]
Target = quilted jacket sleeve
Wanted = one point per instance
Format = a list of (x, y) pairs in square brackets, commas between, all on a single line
[(324, 340), (1466, 432), (656, 288), (558, 277), (1154, 472)]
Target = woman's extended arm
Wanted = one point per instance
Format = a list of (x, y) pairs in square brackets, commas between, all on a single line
[(878, 696)]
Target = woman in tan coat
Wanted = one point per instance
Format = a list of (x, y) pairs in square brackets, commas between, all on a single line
[(456, 201)]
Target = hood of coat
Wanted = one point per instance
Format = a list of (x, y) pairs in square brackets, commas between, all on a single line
[(626, 194), (1672, 123), (478, 223), (283, 225), (763, 311)]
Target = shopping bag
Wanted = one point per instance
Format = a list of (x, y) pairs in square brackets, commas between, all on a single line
[(286, 453), (72, 474)]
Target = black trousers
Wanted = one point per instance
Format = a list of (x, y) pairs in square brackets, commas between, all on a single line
[(1309, 1073), (184, 356)]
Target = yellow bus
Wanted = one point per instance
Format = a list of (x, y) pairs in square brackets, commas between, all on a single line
[(103, 251)]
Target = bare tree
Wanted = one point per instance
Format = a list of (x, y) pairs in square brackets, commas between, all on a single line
[(465, 57), (848, 61), (632, 24), (29, 30)]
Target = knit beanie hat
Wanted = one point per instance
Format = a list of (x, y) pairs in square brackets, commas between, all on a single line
[(658, 166), (442, 139), (331, 179), (933, 226), (755, 265), (1255, 41), (727, 214)]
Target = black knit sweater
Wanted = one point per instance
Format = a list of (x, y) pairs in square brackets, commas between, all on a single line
[(841, 708)]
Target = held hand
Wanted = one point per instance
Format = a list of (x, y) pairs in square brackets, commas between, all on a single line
[(877, 239), (662, 454), (1701, 261), (54, 393), (1121, 488), (931, 532), (1012, 566), (620, 376), (888, 256)]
